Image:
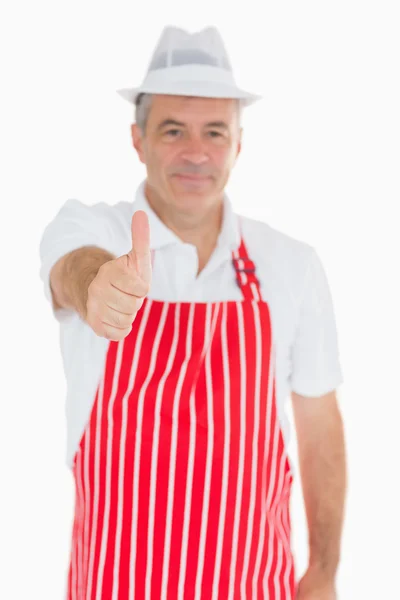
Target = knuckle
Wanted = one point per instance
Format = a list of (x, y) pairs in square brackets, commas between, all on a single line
[(141, 288), (123, 280), (122, 321), (117, 319), (107, 266), (114, 328), (139, 304), (135, 281), (134, 307), (110, 333), (99, 329), (145, 288)]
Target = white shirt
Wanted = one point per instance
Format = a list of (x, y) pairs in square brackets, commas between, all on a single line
[(293, 283)]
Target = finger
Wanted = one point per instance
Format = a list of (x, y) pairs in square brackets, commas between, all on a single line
[(116, 319), (131, 285), (128, 301), (114, 333), (141, 244)]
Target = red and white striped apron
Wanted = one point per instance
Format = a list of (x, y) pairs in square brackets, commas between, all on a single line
[(182, 478)]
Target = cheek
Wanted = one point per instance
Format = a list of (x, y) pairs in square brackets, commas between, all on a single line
[(154, 162), (162, 159), (223, 159)]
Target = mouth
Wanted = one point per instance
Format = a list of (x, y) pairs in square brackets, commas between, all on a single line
[(195, 178), (192, 182)]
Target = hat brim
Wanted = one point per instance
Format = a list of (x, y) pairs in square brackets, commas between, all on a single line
[(202, 89)]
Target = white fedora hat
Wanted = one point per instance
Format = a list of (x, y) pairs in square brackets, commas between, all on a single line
[(185, 64)]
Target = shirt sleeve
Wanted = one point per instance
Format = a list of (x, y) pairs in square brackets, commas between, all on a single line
[(75, 225), (315, 362)]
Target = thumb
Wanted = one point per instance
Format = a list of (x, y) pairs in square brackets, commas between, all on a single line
[(140, 252)]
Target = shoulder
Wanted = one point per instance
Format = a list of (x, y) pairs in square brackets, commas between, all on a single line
[(109, 220), (276, 250), (98, 210), (77, 223)]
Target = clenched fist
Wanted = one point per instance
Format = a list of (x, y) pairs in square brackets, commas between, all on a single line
[(117, 292)]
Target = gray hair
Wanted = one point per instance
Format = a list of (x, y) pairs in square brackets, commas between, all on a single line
[(143, 105), (142, 109)]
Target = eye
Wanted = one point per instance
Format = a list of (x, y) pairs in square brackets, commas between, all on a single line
[(215, 133), (172, 132)]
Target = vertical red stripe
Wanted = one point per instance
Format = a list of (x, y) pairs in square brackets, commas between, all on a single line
[(200, 450), (163, 459), (215, 508), (180, 482), (146, 405), (236, 430), (130, 354)]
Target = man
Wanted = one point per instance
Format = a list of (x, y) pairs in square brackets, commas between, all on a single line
[(184, 328)]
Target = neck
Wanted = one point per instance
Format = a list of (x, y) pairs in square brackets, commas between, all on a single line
[(200, 229)]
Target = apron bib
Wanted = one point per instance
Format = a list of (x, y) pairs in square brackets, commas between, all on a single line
[(182, 478)]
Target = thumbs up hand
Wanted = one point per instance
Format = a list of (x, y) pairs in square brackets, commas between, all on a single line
[(117, 292)]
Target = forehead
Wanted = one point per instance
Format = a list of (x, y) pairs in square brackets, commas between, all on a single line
[(192, 109)]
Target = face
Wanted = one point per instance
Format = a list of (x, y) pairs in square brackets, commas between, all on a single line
[(189, 148)]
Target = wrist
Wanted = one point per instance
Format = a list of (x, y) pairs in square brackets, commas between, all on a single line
[(82, 292), (323, 571), (81, 269)]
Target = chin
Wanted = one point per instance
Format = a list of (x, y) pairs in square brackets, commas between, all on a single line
[(190, 203), (193, 200), (188, 192)]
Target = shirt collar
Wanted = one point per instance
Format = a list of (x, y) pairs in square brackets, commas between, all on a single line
[(161, 235)]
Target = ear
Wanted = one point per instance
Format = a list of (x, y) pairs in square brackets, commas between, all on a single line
[(239, 147), (137, 141)]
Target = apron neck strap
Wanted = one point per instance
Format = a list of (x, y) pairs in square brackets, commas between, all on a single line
[(245, 269)]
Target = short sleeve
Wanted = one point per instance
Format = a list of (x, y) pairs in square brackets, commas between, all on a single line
[(75, 225), (315, 361)]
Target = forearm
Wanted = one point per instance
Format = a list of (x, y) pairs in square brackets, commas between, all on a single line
[(323, 471), (73, 273)]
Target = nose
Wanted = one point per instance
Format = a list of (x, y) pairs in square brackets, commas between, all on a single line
[(195, 152)]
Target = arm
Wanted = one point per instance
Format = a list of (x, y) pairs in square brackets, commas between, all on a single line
[(82, 229), (72, 274), (321, 450), (106, 291)]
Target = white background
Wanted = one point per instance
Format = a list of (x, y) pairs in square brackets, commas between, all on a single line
[(320, 162)]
